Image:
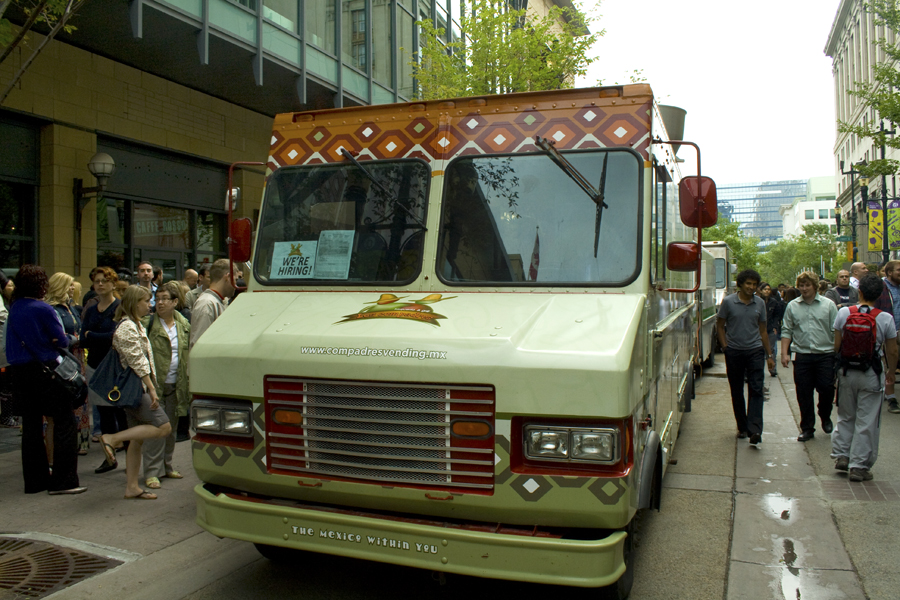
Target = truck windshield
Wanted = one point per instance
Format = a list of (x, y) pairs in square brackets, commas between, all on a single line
[(510, 219), (341, 223)]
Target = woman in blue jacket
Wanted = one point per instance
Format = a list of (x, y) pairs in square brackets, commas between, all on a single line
[(34, 336)]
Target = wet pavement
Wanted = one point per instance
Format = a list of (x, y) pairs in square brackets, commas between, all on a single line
[(781, 521)]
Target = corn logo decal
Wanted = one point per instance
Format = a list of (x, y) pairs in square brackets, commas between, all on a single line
[(390, 306)]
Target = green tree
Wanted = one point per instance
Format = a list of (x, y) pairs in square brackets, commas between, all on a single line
[(499, 52), (784, 260), (880, 95), (744, 248), (55, 14), (775, 264)]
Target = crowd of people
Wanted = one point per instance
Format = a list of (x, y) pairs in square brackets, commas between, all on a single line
[(840, 338), (152, 324)]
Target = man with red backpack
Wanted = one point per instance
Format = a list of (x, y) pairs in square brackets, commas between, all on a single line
[(862, 335)]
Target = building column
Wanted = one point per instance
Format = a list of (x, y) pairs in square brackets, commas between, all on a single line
[(65, 153)]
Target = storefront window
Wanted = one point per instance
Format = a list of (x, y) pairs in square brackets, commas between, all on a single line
[(110, 221), (210, 232), (16, 226), (129, 232), (161, 226)]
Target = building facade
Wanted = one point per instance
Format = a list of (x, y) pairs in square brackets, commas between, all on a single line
[(816, 207), (175, 91), (757, 206), (853, 47)]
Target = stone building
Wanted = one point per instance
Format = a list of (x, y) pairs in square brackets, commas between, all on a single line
[(853, 47)]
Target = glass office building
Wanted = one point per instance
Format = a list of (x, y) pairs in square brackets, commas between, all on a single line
[(755, 206)]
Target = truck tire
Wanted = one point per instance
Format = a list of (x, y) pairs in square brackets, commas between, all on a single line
[(622, 588)]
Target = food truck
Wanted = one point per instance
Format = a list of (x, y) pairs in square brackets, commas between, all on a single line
[(468, 339)]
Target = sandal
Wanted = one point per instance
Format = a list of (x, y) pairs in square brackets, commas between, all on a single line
[(174, 475), (153, 483), (109, 451), (95, 439), (144, 495)]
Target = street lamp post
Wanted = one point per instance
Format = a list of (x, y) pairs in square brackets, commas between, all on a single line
[(885, 243), (852, 173)]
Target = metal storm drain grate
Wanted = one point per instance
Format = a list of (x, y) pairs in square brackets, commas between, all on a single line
[(36, 569)]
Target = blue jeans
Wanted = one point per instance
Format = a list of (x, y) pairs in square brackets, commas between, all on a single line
[(749, 363)]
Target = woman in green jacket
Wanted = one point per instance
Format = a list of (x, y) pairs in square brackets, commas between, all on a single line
[(170, 335)]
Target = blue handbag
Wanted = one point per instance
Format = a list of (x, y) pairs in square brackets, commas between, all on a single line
[(116, 386)]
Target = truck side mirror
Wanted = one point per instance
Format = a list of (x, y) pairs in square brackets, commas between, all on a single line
[(239, 240), (683, 256), (691, 191)]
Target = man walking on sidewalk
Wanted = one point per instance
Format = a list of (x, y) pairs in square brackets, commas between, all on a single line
[(745, 344), (807, 331), (854, 445)]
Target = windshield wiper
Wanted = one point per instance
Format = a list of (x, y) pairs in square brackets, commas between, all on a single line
[(582, 182), (349, 156)]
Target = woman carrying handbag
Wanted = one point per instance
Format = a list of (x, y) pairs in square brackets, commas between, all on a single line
[(59, 296), (34, 338), (146, 421), (96, 337)]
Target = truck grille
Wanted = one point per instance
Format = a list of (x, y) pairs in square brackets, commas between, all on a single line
[(385, 433)]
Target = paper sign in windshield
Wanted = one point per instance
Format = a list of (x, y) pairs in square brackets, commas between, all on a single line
[(333, 254), (293, 260)]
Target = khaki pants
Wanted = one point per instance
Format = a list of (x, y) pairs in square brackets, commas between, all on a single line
[(158, 452), (859, 417)]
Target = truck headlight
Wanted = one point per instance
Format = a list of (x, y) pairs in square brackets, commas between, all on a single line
[(223, 417), (599, 446), (547, 443), (236, 421), (572, 444)]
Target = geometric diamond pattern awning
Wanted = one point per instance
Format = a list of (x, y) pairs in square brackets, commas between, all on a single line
[(434, 136)]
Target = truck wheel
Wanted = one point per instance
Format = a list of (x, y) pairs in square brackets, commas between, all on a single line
[(277, 554), (620, 589)]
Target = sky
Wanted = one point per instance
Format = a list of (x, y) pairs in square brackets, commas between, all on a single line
[(753, 78)]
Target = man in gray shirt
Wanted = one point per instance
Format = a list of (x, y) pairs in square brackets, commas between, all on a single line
[(741, 326)]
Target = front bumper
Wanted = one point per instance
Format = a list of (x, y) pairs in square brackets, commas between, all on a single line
[(583, 563)]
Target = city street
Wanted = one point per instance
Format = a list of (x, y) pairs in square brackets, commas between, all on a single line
[(736, 522)]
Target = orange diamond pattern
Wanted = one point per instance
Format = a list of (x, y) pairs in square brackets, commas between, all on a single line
[(585, 127), (391, 145)]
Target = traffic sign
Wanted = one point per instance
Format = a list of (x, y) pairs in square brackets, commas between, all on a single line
[(843, 238)]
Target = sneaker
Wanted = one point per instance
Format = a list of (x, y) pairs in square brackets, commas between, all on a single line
[(755, 439), (860, 475), (842, 463), (893, 407)]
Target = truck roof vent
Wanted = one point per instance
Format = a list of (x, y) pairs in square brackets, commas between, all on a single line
[(673, 119)]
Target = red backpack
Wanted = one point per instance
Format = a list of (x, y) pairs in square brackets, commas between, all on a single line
[(858, 347)]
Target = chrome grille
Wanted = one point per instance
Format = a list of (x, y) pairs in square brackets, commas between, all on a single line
[(380, 433)]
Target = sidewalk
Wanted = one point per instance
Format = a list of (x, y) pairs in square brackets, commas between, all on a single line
[(775, 521)]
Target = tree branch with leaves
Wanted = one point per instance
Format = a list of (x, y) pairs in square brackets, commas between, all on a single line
[(881, 94), (500, 51), (53, 13)]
